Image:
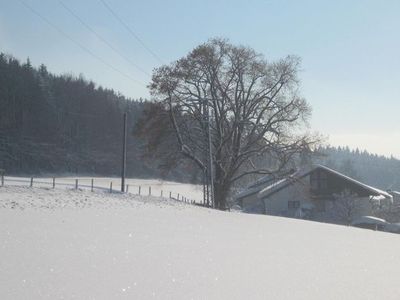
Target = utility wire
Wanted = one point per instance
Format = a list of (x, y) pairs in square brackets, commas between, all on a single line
[(79, 44), (136, 37), (101, 38)]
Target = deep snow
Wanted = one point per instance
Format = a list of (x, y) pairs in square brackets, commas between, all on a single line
[(67, 244)]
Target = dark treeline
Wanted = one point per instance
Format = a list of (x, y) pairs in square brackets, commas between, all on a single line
[(64, 124), (379, 171)]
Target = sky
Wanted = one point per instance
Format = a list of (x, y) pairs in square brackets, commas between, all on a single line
[(350, 50)]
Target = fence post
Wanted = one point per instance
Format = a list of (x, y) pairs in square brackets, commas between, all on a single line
[(76, 184), (54, 182), (2, 179), (140, 188), (111, 187), (127, 188), (178, 196), (170, 195), (31, 181), (161, 193), (149, 190)]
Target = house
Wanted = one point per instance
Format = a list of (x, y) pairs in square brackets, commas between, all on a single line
[(248, 197), (317, 193)]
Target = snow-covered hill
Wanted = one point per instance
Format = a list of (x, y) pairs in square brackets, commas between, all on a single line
[(67, 244)]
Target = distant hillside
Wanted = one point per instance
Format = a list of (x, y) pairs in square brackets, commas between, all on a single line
[(65, 124), (379, 171)]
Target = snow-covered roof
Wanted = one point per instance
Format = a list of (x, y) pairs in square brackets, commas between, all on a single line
[(370, 188), (258, 185), (247, 192), (394, 193), (369, 220), (380, 198), (296, 176), (282, 183), (262, 180)]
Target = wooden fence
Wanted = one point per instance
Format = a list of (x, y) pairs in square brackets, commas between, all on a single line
[(78, 184)]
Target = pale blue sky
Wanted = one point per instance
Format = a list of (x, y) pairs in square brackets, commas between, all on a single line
[(350, 50)]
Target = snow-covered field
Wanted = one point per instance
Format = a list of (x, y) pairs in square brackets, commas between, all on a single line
[(67, 244), (190, 191)]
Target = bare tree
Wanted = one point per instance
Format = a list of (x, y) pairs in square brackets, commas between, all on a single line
[(345, 207), (253, 108)]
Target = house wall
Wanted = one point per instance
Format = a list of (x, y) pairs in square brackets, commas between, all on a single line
[(252, 204), (278, 203)]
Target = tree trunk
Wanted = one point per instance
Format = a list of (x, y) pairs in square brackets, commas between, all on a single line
[(221, 195)]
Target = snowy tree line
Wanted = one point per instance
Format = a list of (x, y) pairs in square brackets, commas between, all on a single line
[(64, 124)]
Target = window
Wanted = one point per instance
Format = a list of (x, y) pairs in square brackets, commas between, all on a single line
[(293, 204)]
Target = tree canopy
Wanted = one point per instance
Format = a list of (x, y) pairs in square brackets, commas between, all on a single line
[(253, 107)]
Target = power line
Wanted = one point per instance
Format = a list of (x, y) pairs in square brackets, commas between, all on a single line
[(101, 38), (136, 37), (79, 44)]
